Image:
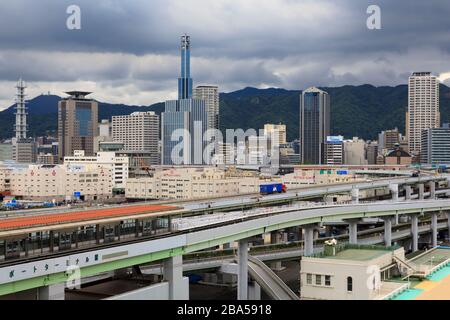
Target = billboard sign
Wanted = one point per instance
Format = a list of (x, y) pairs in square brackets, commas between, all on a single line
[(335, 139)]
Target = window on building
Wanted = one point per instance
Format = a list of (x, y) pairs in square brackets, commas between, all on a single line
[(328, 281), (308, 278), (349, 284), (318, 280)]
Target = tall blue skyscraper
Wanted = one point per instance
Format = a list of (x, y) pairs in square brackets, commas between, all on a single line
[(185, 81), (184, 121)]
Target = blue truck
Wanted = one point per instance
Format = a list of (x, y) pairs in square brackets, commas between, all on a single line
[(272, 188)]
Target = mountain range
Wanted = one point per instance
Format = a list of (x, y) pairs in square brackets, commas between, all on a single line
[(361, 111)]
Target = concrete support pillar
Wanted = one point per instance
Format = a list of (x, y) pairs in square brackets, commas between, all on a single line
[(254, 291), (394, 192), (173, 274), (309, 240), (276, 237), (353, 232), (267, 238), (52, 292), (432, 186), (408, 192), (355, 195), (434, 229), (243, 270), (421, 191), (388, 231), (316, 234), (448, 224), (415, 232)]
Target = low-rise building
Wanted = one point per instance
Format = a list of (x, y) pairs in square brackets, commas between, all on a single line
[(351, 273), (435, 147), (190, 183), (61, 182), (302, 177), (398, 156), (118, 165)]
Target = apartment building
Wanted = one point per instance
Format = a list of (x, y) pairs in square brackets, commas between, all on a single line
[(138, 131)]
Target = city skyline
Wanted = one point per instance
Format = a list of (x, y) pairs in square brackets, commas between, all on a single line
[(333, 49)]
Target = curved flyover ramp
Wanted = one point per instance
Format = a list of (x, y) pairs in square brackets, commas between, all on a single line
[(269, 281)]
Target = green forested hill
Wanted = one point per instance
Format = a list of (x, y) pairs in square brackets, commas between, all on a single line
[(362, 111)]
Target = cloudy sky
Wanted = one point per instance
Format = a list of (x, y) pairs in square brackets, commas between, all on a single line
[(127, 50)]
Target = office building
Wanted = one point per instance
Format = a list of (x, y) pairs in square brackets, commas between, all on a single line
[(435, 146), (372, 152), (47, 158), (6, 151), (184, 124), (388, 139), (355, 152), (423, 108), (210, 94), (24, 150), (333, 152), (104, 134), (184, 121), (270, 130), (118, 165), (139, 132), (224, 154), (314, 124), (77, 124)]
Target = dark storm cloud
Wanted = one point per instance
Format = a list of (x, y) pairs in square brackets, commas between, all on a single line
[(133, 45)]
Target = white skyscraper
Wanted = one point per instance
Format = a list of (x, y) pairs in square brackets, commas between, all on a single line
[(423, 107), (138, 131), (210, 94)]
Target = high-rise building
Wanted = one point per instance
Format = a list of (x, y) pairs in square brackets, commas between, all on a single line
[(184, 121), (435, 146), (276, 129), (77, 124), (314, 124), (334, 150), (138, 131), (184, 124), (185, 83), (210, 94), (423, 107)]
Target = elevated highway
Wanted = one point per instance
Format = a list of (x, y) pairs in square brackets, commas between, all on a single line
[(52, 269)]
